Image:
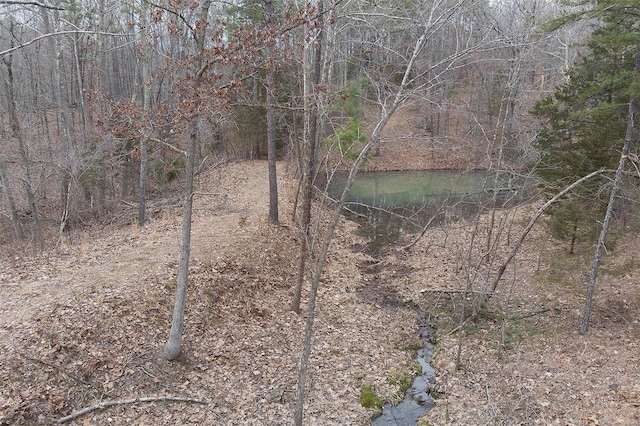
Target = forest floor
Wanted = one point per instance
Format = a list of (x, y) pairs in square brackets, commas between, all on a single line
[(86, 323)]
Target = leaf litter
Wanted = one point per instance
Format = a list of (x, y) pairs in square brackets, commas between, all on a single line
[(87, 324)]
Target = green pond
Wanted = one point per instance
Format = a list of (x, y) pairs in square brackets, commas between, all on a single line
[(390, 205)]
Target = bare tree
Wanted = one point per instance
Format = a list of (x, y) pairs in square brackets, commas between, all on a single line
[(439, 13), (173, 346), (631, 139)]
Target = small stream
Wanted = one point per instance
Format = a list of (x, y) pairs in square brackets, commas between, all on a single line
[(390, 205), (418, 399)]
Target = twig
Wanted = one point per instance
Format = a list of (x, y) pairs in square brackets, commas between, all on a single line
[(106, 404), (479, 293), (530, 314), (459, 327), (57, 368), (611, 311), (424, 230)]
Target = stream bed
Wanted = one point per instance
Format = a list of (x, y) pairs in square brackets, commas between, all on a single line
[(418, 399), (388, 206)]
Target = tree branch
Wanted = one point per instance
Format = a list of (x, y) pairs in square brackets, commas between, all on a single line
[(532, 222), (106, 404), (31, 3), (173, 12), (27, 43)]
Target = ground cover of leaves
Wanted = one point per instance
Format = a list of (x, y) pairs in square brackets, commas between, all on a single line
[(87, 322)]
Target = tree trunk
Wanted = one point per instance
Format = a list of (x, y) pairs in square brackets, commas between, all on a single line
[(173, 346), (13, 213), (142, 188), (24, 151), (80, 82), (271, 120), (62, 104), (312, 71), (146, 106), (631, 138)]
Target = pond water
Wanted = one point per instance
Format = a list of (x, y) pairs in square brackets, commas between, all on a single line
[(411, 188), (389, 205)]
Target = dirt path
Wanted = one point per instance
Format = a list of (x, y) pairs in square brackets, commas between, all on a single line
[(122, 256)]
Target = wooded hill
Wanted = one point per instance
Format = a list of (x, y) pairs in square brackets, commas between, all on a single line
[(128, 114)]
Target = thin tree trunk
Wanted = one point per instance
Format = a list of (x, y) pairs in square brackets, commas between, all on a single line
[(24, 151), (173, 346), (13, 213), (142, 188), (271, 120), (311, 135), (631, 138), (174, 343), (146, 106), (81, 101), (62, 103)]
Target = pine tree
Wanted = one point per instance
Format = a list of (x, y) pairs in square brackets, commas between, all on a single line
[(586, 118)]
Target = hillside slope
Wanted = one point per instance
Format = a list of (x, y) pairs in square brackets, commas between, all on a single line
[(87, 324)]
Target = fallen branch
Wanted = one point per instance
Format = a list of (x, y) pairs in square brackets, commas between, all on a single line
[(106, 404), (214, 194), (463, 292)]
